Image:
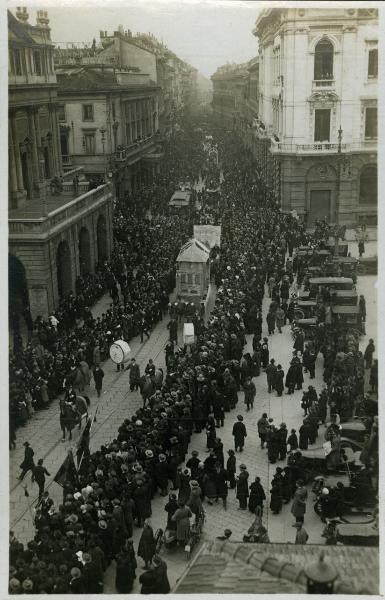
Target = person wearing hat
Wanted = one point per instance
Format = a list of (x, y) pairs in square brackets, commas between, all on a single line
[(98, 374), (298, 508), (193, 463), (147, 546), (159, 570), (134, 377), (28, 463), (226, 535), (38, 474), (76, 582), (92, 576), (161, 474), (239, 434), (242, 487), (302, 535)]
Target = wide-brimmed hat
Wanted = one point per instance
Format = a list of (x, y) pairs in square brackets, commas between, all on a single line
[(194, 483), (243, 467), (240, 418), (102, 524), (149, 454), (162, 457)]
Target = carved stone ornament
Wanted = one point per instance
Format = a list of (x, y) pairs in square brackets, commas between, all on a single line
[(323, 97), (322, 171)]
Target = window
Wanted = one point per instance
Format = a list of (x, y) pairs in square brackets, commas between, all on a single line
[(62, 112), (371, 123), (198, 279), (368, 185), (322, 125), (89, 143), (88, 112), (183, 278), (189, 278), (37, 61), (323, 60), (113, 111), (373, 64), (18, 69)]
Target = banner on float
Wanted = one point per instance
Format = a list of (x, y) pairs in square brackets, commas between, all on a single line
[(208, 234)]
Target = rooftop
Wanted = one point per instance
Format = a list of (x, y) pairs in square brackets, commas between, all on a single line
[(238, 568), (193, 251)]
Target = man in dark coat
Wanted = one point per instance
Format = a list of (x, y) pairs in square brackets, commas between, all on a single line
[(231, 467), (98, 374), (134, 369), (161, 474), (243, 487), (271, 370), (239, 433), (28, 463), (279, 376), (92, 576), (38, 475), (159, 568)]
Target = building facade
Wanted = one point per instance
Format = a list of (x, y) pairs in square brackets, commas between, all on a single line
[(58, 228), (316, 134), (109, 123)]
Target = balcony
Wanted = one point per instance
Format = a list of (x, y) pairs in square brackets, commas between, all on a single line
[(46, 216), (324, 84), (67, 161), (132, 150)]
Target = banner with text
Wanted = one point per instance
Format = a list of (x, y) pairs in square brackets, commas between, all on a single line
[(210, 234)]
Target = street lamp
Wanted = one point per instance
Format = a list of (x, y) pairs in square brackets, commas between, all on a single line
[(320, 577), (342, 163)]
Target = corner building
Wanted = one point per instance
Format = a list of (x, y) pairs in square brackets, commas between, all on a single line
[(316, 138)]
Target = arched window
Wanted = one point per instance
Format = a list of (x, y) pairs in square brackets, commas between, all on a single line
[(368, 185), (323, 60)]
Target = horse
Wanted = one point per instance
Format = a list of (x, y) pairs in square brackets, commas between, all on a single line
[(72, 413)]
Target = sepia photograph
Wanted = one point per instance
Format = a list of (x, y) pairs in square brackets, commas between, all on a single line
[(192, 297)]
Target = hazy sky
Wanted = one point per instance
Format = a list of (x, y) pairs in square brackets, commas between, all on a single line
[(206, 33)]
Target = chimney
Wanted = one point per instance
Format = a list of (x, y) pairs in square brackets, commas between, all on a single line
[(42, 19), (21, 14)]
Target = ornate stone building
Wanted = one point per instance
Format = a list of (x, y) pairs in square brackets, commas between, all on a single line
[(58, 229), (317, 128)]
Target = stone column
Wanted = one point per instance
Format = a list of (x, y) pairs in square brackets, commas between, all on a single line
[(140, 118), (35, 157), (38, 143), (12, 166), (16, 147), (57, 140), (53, 153)]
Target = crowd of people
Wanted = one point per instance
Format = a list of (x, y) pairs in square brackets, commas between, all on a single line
[(113, 488)]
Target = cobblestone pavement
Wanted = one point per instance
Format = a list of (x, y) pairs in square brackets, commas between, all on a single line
[(117, 402)]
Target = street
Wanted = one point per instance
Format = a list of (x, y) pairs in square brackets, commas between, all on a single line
[(117, 403)]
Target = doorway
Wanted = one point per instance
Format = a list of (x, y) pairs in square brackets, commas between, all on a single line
[(320, 201)]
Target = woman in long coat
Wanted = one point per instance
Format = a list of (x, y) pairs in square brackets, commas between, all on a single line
[(125, 572), (147, 546), (182, 518)]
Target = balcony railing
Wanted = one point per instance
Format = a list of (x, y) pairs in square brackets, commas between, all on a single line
[(35, 222), (323, 83), (121, 155), (323, 147), (67, 160)]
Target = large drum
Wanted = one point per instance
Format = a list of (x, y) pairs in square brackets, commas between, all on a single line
[(120, 352)]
